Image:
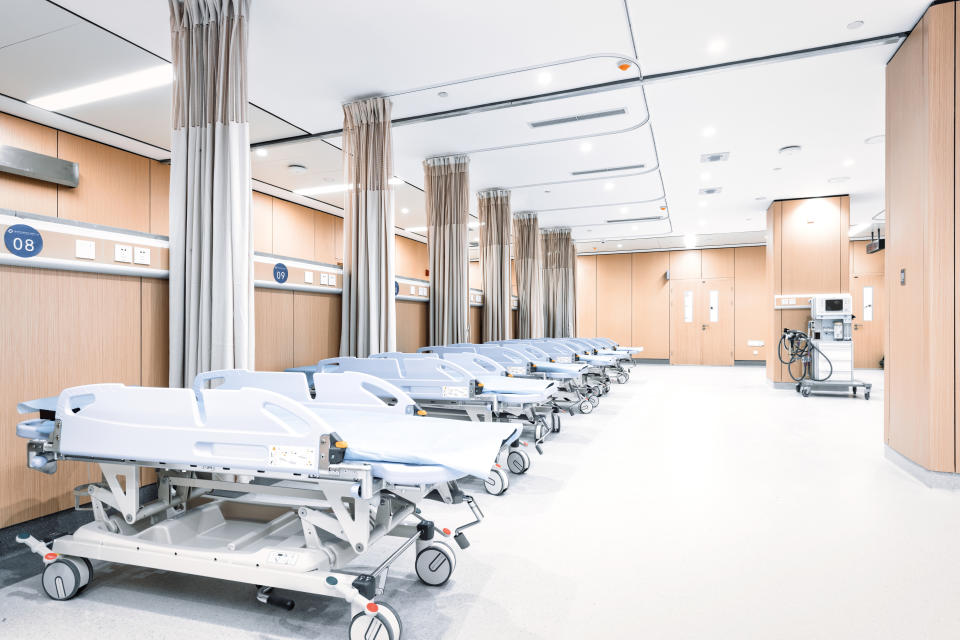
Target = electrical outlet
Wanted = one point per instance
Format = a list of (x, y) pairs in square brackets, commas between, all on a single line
[(324, 278), (122, 253), (413, 290), (308, 277), (141, 255), (86, 250), (333, 280)]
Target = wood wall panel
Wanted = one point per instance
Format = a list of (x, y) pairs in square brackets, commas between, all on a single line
[(751, 303), (25, 194), (273, 311), (411, 258), (326, 247), (476, 324), (650, 304), (476, 275), (863, 263), (684, 264), (293, 230), (262, 223), (586, 296), (814, 250), (159, 198), (717, 263), (413, 326), (114, 187), (316, 327), (155, 332), (614, 274), (772, 273)]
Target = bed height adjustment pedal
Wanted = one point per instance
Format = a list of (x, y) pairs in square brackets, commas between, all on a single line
[(265, 595)]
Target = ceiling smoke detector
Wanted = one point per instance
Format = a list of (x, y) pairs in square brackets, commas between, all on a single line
[(296, 169), (790, 150), (721, 156)]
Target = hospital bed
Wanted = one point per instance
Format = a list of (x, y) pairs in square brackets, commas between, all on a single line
[(571, 391), (447, 390), (253, 487)]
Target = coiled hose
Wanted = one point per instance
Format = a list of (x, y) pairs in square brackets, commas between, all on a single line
[(800, 349)]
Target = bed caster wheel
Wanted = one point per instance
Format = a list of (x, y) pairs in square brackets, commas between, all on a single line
[(64, 578), (555, 422), (382, 625), (435, 564), (497, 482), (594, 400), (866, 395), (622, 378), (606, 388), (518, 461), (805, 392), (585, 406)]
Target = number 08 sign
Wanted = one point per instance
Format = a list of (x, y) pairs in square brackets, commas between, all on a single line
[(23, 240)]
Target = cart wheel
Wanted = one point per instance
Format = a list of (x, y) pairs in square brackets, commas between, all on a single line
[(382, 625), (497, 482), (435, 564), (594, 400), (622, 378), (518, 461), (606, 388), (805, 392), (555, 422), (586, 406), (866, 395), (63, 578), (798, 387), (854, 389)]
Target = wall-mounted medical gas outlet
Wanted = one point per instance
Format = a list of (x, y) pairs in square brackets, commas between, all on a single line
[(122, 253), (324, 278), (141, 255), (86, 250)]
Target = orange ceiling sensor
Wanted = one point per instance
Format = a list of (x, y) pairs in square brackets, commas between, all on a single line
[(624, 65)]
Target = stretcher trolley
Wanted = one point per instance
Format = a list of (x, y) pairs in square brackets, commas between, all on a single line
[(621, 360), (252, 487), (598, 367)]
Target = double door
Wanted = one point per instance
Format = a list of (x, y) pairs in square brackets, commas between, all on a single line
[(701, 321)]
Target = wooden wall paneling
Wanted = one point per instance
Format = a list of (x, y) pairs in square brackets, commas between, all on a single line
[(843, 233), (476, 324), (316, 327), (513, 277), (650, 304), (684, 264), (159, 198), (412, 259), (293, 230), (717, 263), (587, 296), (114, 187), (863, 263), (773, 277), (262, 223), (325, 243), (476, 275), (811, 246), (751, 303), (25, 194), (338, 239), (413, 327), (154, 332), (273, 311), (614, 273)]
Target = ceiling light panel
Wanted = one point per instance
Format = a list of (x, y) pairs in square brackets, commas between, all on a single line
[(580, 117)]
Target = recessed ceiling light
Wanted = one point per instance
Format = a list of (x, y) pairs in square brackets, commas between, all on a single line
[(609, 186), (297, 169), (690, 240), (839, 179), (619, 245), (790, 150), (261, 153), (856, 24), (705, 176), (442, 94), (875, 139), (848, 162), (544, 77), (709, 132), (717, 45), (404, 210), (586, 147), (110, 88)]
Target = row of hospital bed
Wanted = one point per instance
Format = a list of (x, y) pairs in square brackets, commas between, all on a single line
[(284, 480)]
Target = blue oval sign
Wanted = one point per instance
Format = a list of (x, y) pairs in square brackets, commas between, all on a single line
[(23, 240), (396, 288), (280, 272)]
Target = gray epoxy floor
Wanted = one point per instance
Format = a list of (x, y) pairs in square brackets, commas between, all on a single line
[(696, 502)]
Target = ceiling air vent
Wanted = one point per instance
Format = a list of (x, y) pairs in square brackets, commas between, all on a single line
[(644, 219), (578, 118), (723, 156), (710, 191), (587, 172)]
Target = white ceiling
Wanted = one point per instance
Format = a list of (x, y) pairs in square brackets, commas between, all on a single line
[(307, 58)]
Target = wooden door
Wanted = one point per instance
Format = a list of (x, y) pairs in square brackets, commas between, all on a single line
[(715, 308), (868, 325), (686, 332)]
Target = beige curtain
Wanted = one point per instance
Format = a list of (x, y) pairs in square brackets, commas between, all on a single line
[(494, 207), (368, 309), (446, 187), (559, 284), (528, 258), (211, 234)]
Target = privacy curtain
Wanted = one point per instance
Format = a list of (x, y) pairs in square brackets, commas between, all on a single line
[(211, 235), (495, 259), (446, 183), (369, 315), (559, 284), (528, 259)]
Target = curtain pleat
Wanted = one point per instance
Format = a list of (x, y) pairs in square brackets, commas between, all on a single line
[(528, 260), (559, 284), (446, 187), (494, 208), (368, 308), (211, 234)]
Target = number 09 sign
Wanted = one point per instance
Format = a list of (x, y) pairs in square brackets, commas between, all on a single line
[(23, 240)]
